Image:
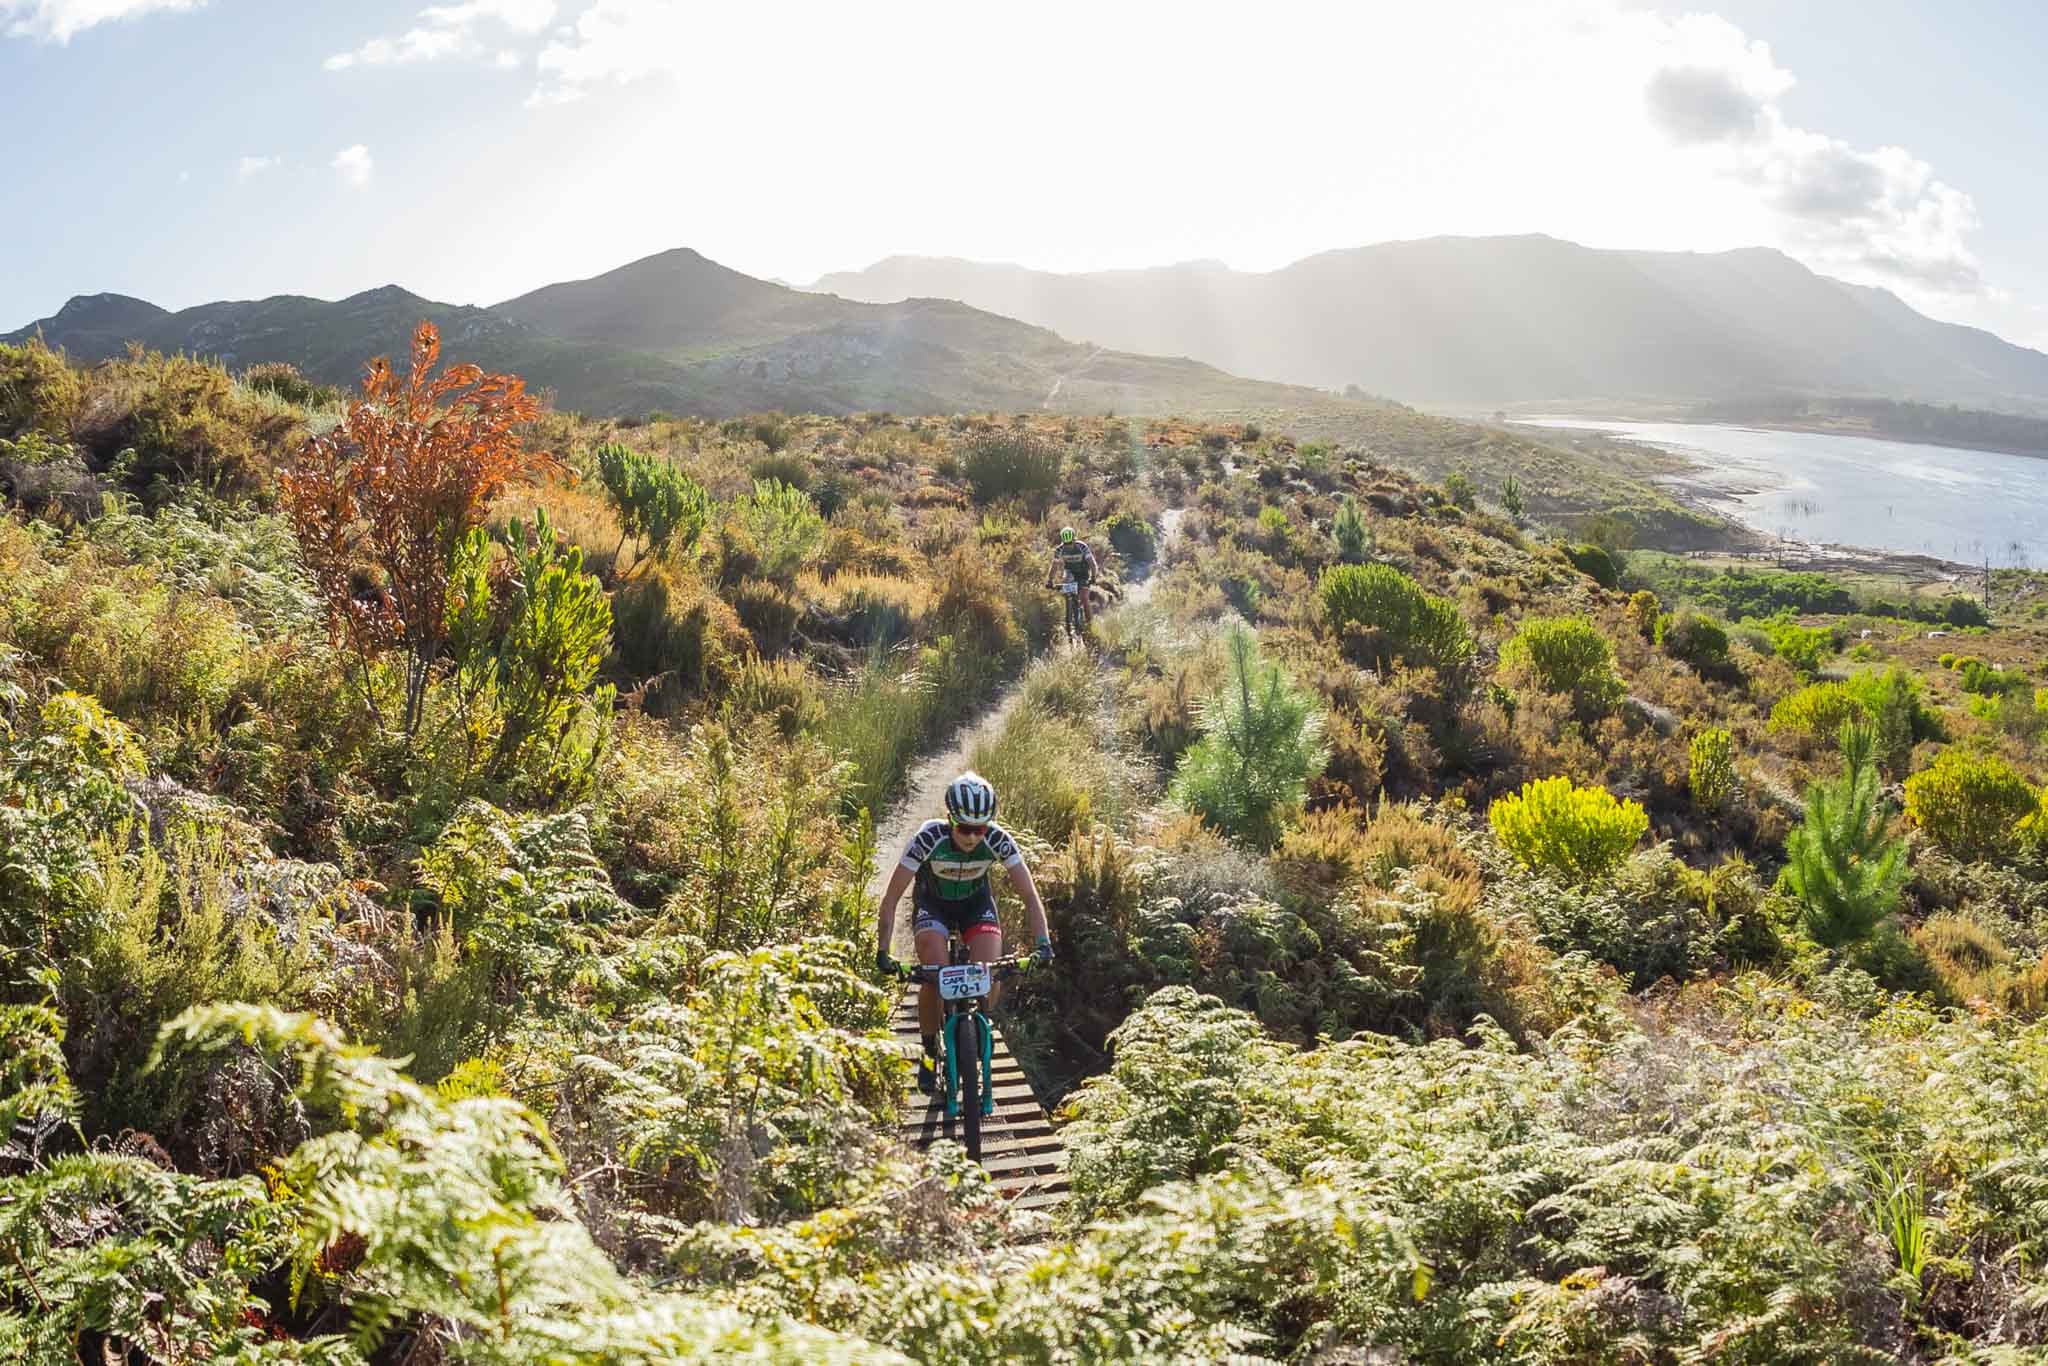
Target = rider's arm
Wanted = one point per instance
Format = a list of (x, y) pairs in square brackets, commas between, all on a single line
[(899, 878), (1094, 566)]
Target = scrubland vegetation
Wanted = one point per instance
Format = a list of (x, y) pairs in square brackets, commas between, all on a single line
[(434, 833)]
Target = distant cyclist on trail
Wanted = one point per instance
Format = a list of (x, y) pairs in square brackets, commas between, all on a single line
[(952, 860), (1073, 558)]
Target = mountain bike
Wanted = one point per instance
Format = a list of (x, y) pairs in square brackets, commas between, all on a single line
[(1077, 625), (966, 1037)]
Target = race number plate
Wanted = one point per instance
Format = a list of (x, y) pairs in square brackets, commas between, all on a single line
[(964, 981), (1070, 587)]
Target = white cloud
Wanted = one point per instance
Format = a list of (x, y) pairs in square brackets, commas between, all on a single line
[(354, 165), (521, 16), (60, 20), (255, 166), (447, 31), (613, 42), (1877, 213), (1599, 120)]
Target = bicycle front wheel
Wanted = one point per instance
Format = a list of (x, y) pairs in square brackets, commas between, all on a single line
[(968, 1051)]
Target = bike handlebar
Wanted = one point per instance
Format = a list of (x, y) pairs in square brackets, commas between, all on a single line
[(1008, 966)]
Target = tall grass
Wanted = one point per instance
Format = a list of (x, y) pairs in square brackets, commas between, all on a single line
[(897, 706)]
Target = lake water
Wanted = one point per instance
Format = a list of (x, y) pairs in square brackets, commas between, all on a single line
[(1953, 504)]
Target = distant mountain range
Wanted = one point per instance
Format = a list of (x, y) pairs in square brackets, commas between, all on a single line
[(1503, 321), (684, 334)]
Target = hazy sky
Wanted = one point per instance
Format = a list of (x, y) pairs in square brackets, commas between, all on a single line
[(187, 150)]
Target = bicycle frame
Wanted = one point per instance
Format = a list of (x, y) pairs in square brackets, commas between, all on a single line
[(1077, 617), (966, 1010)]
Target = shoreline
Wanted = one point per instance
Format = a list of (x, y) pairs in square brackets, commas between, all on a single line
[(1870, 434), (1748, 545)]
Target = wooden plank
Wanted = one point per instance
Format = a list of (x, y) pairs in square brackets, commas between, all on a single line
[(1028, 1163), (1021, 1151), (923, 1131), (1040, 1199), (1020, 1108), (1001, 1144)]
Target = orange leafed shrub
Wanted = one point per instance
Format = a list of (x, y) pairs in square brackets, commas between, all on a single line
[(379, 502)]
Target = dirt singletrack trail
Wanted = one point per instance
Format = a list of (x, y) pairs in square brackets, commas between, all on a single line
[(925, 795), (1021, 1151)]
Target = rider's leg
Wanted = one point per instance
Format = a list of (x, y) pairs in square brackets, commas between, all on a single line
[(931, 951), (1087, 609), (984, 935)]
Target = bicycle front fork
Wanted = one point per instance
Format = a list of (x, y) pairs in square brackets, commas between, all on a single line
[(985, 1045)]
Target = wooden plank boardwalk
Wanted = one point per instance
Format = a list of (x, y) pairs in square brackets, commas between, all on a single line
[(1019, 1149)]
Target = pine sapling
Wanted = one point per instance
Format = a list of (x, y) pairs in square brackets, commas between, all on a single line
[(1843, 866)]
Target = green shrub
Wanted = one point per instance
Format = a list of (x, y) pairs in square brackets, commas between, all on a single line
[(39, 392), (547, 661), (771, 534), (1698, 640), (1892, 698), (168, 925), (1712, 770), (1580, 833), (786, 467), (191, 427), (1412, 625), (1642, 610), (284, 380), (1459, 492), (1841, 864), (655, 501), (1511, 498), (1567, 655), (1261, 743), (1805, 648), (1648, 918), (1817, 711), (1595, 563), (770, 613), (673, 636), (1348, 529), (782, 690), (1986, 680), (1970, 805), (1013, 465), (1274, 529), (1131, 536), (62, 786)]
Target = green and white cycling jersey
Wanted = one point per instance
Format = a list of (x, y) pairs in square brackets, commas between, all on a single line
[(953, 875), (1076, 559)]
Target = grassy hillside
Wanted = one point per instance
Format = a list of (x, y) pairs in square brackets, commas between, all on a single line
[(1458, 957)]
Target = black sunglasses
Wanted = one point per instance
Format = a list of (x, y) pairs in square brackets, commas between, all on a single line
[(964, 828)]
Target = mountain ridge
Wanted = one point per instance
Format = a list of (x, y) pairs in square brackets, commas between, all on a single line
[(1506, 320), (679, 332)]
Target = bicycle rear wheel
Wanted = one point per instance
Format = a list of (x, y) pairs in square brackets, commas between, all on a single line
[(968, 1051)]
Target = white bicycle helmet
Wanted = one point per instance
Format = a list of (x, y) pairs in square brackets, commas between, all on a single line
[(970, 798)]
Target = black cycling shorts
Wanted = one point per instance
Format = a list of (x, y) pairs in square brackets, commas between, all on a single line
[(967, 917)]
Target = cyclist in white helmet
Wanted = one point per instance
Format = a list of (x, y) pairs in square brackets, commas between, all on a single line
[(951, 861)]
